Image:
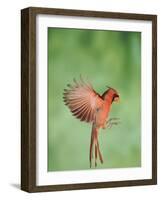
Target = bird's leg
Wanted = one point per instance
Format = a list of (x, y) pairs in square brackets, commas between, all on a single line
[(104, 125), (112, 121)]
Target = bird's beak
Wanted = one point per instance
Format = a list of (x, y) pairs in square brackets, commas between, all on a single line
[(117, 99)]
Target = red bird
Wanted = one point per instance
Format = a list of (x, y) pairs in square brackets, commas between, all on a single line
[(87, 105)]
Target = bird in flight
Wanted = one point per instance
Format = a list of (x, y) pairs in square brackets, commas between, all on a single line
[(88, 106)]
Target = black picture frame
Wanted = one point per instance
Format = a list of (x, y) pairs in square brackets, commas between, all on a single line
[(28, 98)]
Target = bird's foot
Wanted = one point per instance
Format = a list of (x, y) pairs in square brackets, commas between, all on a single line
[(104, 126), (112, 121)]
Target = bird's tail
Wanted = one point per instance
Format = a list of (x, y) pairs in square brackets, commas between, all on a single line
[(95, 143)]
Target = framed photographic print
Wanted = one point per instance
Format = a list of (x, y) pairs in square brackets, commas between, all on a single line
[(88, 99)]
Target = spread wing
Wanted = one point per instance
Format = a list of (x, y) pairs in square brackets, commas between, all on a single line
[(82, 100)]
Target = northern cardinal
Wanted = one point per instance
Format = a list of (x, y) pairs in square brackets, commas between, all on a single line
[(88, 106)]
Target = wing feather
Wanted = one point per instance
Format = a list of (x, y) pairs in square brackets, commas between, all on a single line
[(82, 100)]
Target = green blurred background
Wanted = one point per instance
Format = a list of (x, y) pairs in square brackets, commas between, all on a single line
[(110, 58)]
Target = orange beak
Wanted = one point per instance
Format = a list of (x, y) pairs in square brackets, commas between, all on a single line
[(117, 99)]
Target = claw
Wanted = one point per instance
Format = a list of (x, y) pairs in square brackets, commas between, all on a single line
[(112, 121)]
